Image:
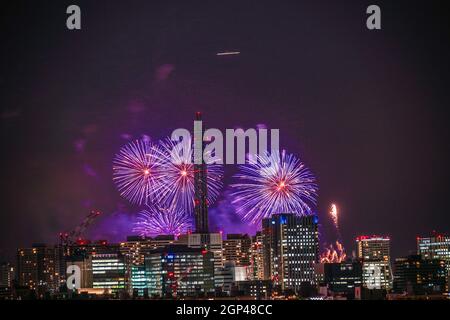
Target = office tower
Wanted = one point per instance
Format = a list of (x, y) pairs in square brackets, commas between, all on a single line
[(291, 249), (38, 268), (236, 248), (256, 257), (435, 247), (374, 253), (178, 270), (200, 181), (417, 276), (109, 271), (343, 278)]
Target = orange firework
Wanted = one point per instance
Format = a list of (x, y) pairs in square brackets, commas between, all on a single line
[(334, 215), (334, 255)]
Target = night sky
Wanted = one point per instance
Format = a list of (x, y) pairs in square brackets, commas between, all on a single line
[(365, 110)]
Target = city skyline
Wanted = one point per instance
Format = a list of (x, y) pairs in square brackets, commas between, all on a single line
[(280, 262)]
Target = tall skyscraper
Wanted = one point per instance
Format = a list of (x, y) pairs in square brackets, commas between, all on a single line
[(374, 253), (291, 249), (200, 180), (435, 247)]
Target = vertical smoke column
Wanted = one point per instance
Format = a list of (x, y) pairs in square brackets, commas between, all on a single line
[(200, 179)]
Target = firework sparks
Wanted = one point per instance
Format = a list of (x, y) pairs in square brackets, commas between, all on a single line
[(334, 215), (136, 171), (155, 221), (334, 255), (279, 183), (177, 189)]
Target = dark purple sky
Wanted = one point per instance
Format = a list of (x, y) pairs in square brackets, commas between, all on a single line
[(366, 111)]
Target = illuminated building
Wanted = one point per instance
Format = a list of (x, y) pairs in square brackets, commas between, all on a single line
[(85, 264), (291, 249), (109, 271), (136, 247), (138, 280), (256, 258), (236, 248), (343, 277), (6, 280), (374, 253), (225, 277), (178, 270), (6, 274), (211, 242), (257, 289), (417, 276), (38, 268), (435, 247)]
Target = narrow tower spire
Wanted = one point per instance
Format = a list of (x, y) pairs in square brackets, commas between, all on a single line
[(200, 183)]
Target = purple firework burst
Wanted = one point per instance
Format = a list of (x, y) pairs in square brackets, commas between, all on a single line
[(156, 221), (177, 188), (136, 171), (276, 183)]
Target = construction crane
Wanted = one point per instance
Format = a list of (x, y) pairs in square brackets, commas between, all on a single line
[(69, 238)]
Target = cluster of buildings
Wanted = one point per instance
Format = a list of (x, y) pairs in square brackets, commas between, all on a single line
[(280, 262)]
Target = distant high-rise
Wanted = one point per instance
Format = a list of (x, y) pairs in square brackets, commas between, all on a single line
[(417, 276), (374, 253), (200, 181), (291, 249), (37, 268), (6, 280), (6, 274), (435, 247), (257, 257)]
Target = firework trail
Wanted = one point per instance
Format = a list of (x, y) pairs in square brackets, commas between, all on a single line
[(335, 217), (276, 183), (155, 221), (137, 171), (334, 255), (177, 188)]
